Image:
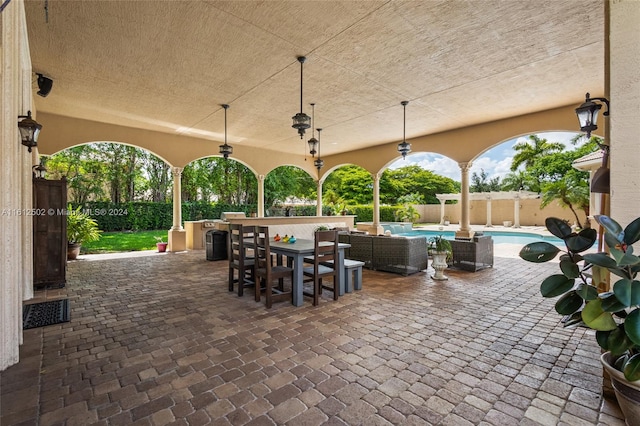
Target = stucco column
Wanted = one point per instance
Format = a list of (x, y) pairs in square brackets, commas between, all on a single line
[(489, 224), (621, 128), (177, 234), (260, 195), (319, 202), (465, 227), (516, 211), (27, 223), (377, 228), (442, 203), (15, 177)]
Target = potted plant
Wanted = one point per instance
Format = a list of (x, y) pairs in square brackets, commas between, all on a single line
[(161, 245), (441, 252), (81, 228), (586, 299)]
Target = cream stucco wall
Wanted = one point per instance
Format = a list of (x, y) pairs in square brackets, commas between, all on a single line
[(625, 109), (16, 267), (501, 211)]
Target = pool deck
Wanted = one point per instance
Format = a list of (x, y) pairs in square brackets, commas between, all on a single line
[(506, 250), (453, 227)]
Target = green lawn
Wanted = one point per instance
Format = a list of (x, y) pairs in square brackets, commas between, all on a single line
[(111, 242)]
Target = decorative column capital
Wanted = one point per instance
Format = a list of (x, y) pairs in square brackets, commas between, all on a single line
[(465, 166), (177, 171), (376, 176), (261, 178)]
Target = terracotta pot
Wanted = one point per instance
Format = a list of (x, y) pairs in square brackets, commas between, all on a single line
[(627, 393), (162, 247), (73, 251)]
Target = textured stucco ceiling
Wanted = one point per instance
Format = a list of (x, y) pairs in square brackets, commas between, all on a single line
[(168, 65)]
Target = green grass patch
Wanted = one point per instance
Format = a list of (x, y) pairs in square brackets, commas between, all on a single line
[(113, 242)]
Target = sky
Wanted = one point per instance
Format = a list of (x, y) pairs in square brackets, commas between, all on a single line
[(495, 162)]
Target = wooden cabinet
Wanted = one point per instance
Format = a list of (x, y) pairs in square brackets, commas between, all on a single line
[(49, 233)]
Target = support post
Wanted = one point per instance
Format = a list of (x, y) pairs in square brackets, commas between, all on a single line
[(319, 202), (489, 224), (516, 211), (377, 228), (260, 195), (177, 235), (465, 226), (442, 203)]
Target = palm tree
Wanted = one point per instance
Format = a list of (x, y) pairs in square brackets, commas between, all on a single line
[(568, 194), (519, 180), (527, 152)]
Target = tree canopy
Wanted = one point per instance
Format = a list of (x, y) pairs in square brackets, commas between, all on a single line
[(550, 172), (398, 183), (482, 183)]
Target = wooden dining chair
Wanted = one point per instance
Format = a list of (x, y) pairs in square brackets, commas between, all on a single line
[(239, 260), (323, 265), (266, 272)]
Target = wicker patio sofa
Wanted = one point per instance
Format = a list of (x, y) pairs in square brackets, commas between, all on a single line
[(472, 254), (402, 255), (361, 248)]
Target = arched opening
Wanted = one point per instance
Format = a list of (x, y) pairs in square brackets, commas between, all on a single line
[(289, 191), (224, 184), (540, 165), (415, 181), (347, 189), (110, 171)]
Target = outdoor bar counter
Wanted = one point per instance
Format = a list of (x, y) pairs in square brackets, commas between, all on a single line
[(302, 225)]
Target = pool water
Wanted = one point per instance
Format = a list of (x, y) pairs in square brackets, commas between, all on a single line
[(499, 237)]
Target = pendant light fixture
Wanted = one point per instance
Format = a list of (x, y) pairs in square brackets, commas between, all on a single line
[(404, 147), (301, 121), (319, 163), (226, 150), (313, 142)]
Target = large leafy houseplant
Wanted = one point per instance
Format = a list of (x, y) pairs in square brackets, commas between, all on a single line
[(585, 299), (81, 227)]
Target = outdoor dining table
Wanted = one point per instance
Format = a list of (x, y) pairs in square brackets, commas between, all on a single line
[(297, 252)]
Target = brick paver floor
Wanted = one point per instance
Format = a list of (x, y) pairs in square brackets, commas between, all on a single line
[(158, 339)]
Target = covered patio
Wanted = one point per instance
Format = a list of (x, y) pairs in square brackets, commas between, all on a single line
[(144, 348), (159, 340)]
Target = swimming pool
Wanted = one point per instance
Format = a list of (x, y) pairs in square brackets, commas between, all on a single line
[(499, 237)]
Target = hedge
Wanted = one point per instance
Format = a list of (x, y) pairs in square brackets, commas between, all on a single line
[(364, 213), (145, 216)]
